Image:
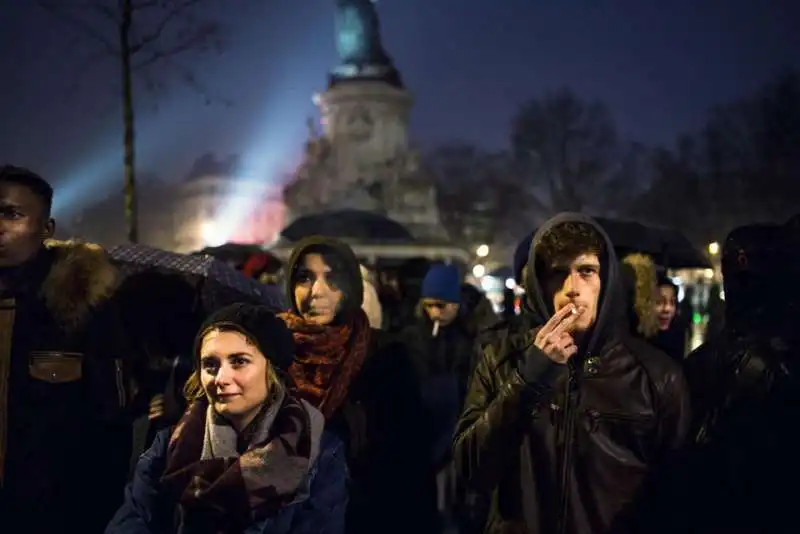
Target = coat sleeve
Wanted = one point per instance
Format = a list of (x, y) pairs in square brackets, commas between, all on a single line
[(141, 512), (493, 422), (324, 511), (675, 413)]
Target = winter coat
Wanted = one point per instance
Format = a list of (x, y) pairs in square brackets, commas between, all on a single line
[(379, 422), (745, 385), (147, 511), (571, 456), (443, 367), (65, 368)]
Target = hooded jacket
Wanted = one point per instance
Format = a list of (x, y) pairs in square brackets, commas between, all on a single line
[(745, 388), (379, 419), (568, 453)]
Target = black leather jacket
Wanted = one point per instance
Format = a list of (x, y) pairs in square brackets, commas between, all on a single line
[(573, 455)]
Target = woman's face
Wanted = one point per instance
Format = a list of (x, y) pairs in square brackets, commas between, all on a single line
[(233, 373), (666, 305), (316, 292)]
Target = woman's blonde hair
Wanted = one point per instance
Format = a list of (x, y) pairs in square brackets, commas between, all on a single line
[(193, 389), (645, 292)]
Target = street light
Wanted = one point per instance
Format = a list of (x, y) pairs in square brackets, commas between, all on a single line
[(482, 251), (713, 248), (478, 271)]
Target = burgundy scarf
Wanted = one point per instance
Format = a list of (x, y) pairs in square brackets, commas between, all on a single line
[(327, 359), (220, 491)]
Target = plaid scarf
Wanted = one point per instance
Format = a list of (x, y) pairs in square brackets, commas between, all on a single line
[(328, 357), (221, 491)]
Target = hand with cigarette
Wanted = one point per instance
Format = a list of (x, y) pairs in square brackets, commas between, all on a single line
[(552, 348), (555, 337)]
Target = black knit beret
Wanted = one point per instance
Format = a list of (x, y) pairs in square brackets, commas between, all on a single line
[(260, 325)]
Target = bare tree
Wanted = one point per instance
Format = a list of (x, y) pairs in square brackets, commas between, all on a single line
[(742, 167), (570, 151), (102, 222), (480, 195), (138, 34)]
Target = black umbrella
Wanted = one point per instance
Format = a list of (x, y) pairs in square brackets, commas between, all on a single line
[(355, 224), (505, 272), (668, 248), (215, 283), (234, 254)]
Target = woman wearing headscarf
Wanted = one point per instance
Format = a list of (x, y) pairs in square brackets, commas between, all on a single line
[(364, 384), (247, 456)]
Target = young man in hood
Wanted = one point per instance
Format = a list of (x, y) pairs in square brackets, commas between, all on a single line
[(566, 429), (65, 438)]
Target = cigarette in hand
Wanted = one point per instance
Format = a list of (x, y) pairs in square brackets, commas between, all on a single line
[(435, 329)]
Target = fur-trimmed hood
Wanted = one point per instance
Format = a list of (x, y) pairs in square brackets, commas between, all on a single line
[(641, 293), (80, 278)]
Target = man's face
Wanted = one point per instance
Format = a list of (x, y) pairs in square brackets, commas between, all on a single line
[(23, 224), (437, 310), (576, 282), (316, 291)]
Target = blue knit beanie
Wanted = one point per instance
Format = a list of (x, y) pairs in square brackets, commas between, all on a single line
[(442, 282)]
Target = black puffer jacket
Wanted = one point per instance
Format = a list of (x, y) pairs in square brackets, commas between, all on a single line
[(571, 456)]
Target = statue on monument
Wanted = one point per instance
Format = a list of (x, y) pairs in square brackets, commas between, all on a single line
[(358, 42)]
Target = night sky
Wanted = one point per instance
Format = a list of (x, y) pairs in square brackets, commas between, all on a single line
[(658, 65)]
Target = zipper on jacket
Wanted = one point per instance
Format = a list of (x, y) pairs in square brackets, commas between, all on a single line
[(120, 383), (566, 453), (596, 417)]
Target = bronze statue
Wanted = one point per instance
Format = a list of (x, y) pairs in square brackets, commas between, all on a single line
[(358, 34)]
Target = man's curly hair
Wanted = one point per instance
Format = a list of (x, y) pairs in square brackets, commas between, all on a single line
[(566, 241)]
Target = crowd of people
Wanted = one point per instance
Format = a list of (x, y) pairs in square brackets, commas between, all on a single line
[(398, 406)]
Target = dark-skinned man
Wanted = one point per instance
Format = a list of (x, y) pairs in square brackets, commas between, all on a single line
[(65, 391)]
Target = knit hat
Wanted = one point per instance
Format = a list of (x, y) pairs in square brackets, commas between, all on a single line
[(443, 282), (259, 325)]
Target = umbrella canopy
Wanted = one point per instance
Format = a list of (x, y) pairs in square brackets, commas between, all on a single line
[(353, 224), (668, 248), (503, 272), (235, 254), (215, 283)]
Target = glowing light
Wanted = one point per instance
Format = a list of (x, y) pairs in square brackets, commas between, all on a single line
[(211, 235), (713, 248), (486, 284), (511, 283), (697, 318), (722, 295), (708, 273), (478, 271), (482, 251)]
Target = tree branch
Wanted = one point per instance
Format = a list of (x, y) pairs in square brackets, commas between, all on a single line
[(196, 40), (163, 24), (57, 10)]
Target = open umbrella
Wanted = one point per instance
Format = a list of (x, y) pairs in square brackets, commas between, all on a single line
[(215, 283), (669, 248), (356, 224), (234, 254)]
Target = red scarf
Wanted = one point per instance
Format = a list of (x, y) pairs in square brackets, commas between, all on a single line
[(328, 357)]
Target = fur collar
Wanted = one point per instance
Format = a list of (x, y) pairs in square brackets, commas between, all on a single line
[(80, 278)]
